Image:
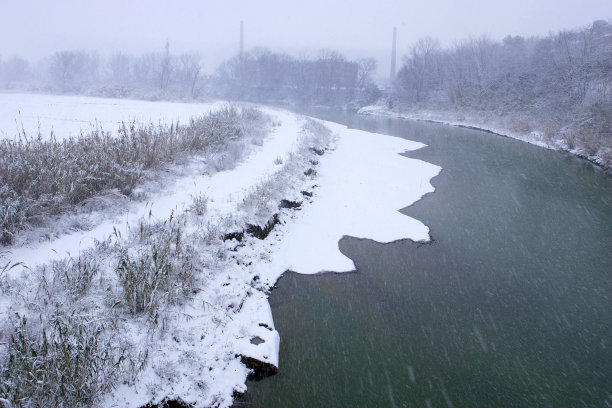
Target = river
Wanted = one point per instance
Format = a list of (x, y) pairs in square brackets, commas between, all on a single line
[(508, 306)]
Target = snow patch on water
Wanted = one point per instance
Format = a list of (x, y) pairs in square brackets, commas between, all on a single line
[(363, 183)]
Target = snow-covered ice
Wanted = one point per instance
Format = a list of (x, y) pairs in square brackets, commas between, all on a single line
[(362, 182)]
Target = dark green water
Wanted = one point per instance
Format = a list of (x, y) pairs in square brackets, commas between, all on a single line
[(510, 306)]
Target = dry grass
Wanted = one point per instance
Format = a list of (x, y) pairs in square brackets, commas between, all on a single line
[(69, 362), (73, 348), (160, 270), (41, 178)]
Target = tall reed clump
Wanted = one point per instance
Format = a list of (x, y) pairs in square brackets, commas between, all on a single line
[(69, 362), (160, 270), (41, 178), (73, 354), (67, 353), (73, 277)]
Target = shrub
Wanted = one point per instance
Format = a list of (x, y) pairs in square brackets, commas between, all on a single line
[(69, 363), (316, 133), (11, 215), (74, 276), (551, 129), (162, 270), (518, 123), (199, 205), (590, 144), (569, 138)]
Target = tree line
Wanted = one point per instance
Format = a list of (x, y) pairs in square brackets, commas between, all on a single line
[(259, 75), (560, 84), (329, 78), (79, 71)]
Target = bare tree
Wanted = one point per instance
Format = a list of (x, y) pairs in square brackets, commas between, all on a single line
[(188, 70), (120, 67), (13, 70), (71, 70), (563, 78), (420, 72), (367, 67)]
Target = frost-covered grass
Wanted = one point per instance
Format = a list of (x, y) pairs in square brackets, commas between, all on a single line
[(161, 269), (60, 347), (41, 178), (68, 344), (80, 327), (66, 360), (261, 203)]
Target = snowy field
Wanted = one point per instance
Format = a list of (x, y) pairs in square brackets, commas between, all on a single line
[(69, 115), (361, 181)]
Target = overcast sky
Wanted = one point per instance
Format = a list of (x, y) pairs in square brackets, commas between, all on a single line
[(358, 28)]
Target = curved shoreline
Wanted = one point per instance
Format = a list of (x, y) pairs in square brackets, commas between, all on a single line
[(530, 139)]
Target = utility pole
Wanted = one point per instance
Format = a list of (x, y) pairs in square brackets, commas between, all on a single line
[(393, 56), (241, 37)]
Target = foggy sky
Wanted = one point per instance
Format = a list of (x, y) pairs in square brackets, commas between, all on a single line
[(35, 29)]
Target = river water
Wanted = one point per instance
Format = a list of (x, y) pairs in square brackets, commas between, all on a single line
[(508, 306)]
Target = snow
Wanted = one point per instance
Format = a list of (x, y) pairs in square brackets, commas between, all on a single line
[(362, 182), (363, 185), (223, 190), (227, 188), (256, 322), (68, 115)]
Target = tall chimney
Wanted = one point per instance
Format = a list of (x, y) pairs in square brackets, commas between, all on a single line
[(241, 37), (393, 56)]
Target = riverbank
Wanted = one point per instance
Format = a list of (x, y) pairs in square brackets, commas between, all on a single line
[(210, 245), (520, 238), (495, 125)]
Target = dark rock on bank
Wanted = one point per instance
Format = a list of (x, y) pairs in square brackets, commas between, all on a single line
[(260, 369), (262, 232)]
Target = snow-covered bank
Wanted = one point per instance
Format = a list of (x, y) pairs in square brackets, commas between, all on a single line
[(495, 126), (221, 191), (197, 348)]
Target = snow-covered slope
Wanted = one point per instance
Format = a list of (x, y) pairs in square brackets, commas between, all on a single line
[(223, 191)]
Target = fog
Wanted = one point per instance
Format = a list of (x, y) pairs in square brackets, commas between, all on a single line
[(35, 29)]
